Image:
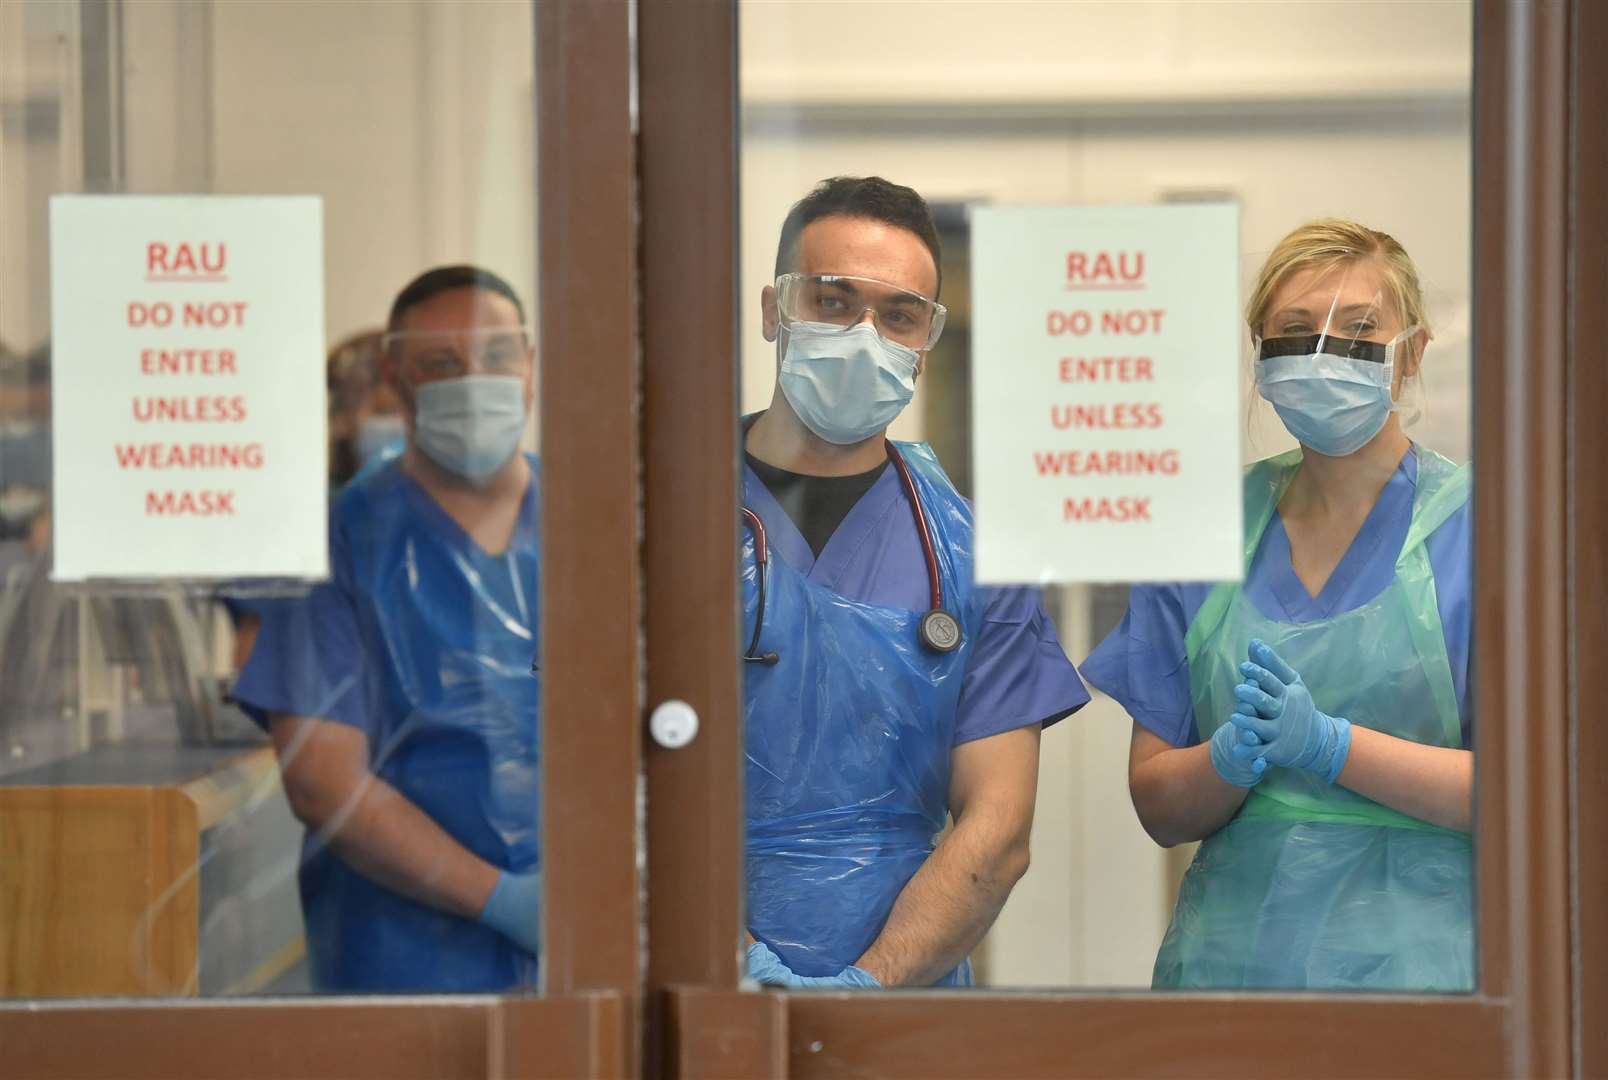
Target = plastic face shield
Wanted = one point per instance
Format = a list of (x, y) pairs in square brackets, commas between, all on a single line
[(430, 355), (1337, 327), (901, 316)]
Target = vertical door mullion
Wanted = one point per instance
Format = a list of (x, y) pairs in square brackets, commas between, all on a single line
[(591, 609)]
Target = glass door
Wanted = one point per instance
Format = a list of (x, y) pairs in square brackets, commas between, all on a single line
[(374, 801), (987, 117)]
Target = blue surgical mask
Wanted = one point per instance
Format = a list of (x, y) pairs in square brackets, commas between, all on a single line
[(1332, 403), (470, 425), (846, 385), (377, 435)]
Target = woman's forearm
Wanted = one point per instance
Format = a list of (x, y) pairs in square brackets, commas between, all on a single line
[(1431, 783), (1176, 792)]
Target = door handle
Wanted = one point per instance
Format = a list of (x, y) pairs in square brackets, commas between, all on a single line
[(673, 724)]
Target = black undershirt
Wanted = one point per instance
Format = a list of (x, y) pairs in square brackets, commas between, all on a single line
[(817, 504)]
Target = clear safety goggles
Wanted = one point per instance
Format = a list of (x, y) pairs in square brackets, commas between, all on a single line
[(906, 317), (442, 354)]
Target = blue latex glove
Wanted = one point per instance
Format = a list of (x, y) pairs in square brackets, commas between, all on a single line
[(1237, 759), (766, 967), (1296, 732), (514, 909)]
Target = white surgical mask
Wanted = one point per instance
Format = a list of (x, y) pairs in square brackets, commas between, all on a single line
[(1332, 404), (470, 425), (846, 384)]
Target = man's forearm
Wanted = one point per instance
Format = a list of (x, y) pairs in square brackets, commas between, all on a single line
[(388, 839), (370, 825), (948, 906)]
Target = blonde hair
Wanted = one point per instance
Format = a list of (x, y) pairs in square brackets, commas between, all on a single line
[(1331, 243)]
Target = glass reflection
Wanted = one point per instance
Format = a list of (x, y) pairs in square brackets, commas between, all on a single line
[(1112, 104), (151, 844)]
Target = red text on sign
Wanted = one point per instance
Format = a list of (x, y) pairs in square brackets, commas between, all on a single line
[(1106, 369), (1106, 462), (1076, 323), (187, 362), (178, 259), (189, 504), (189, 410), (1100, 268), (1131, 322), (1106, 417), (189, 455), (205, 314), (1136, 321), (1120, 510)]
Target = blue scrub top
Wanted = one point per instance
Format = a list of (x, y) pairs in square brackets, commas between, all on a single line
[(1144, 665), (1018, 674)]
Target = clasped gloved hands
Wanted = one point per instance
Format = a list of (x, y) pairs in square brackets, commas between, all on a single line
[(766, 967), (1277, 723), (1237, 756)]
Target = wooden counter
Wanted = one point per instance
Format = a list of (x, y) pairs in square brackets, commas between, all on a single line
[(142, 869)]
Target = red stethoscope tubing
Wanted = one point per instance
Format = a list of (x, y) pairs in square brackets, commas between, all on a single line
[(935, 588), (935, 585)]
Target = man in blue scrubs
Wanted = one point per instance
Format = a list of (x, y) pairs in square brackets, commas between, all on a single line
[(400, 694), (870, 722)]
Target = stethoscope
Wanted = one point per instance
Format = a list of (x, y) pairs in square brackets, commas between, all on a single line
[(938, 631)]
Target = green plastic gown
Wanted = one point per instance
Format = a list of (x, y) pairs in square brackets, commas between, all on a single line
[(1310, 885)]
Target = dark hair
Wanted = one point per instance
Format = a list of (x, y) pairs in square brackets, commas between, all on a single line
[(444, 279), (868, 197)]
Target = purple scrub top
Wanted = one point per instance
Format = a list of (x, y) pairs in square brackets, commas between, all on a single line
[(1018, 673), (1143, 663)]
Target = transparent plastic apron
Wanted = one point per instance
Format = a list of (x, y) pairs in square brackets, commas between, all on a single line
[(450, 631), (1312, 885), (848, 744)]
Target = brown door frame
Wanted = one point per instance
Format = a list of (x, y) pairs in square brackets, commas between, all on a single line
[(1588, 530), (1518, 1022), (687, 52), (688, 58), (587, 1024)]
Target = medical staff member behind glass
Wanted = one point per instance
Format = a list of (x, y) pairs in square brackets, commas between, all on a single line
[(1312, 726), (884, 691), (400, 695)]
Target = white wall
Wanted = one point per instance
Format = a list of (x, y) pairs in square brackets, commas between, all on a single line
[(970, 54), (414, 121), (40, 153), (1296, 110)]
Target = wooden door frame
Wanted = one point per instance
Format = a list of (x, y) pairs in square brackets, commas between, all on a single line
[(1518, 1022), (1588, 530), (588, 1022)]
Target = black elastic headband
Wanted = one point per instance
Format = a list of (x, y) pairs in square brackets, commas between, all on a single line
[(1329, 345)]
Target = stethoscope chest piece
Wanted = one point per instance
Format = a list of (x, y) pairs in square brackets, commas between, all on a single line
[(939, 631)]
